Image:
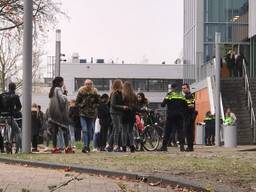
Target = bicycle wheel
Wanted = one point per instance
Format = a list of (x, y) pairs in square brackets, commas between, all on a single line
[(151, 138)]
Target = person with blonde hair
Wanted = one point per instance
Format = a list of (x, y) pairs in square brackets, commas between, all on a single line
[(128, 119), (88, 101), (116, 109)]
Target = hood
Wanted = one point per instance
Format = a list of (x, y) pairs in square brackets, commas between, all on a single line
[(84, 90)]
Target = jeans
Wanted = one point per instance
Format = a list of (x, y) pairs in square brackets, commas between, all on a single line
[(72, 135), (127, 134), (116, 131), (87, 125), (58, 135)]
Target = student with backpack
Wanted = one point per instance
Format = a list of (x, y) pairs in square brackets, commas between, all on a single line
[(10, 107)]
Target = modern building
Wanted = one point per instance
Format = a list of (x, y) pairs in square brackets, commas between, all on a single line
[(152, 79), (236, 22), (202, 18)]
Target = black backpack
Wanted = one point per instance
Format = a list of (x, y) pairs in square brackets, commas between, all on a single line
[(6, 102)]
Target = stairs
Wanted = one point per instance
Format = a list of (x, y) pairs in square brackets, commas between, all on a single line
[(234, 97)]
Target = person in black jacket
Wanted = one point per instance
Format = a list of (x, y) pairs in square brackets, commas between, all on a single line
[(190, 117), (176, 110), (105, 120), (116, 110), (10, 105), (35, 127), (75, 119)]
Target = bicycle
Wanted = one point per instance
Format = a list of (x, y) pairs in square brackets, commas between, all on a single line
[(147, 135)]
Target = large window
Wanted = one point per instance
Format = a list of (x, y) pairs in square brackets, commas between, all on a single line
[(145, 85), (230, 18)]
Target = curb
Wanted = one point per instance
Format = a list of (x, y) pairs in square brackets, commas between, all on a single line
[(167, 180)]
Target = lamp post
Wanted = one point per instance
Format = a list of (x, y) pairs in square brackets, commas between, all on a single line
[(57, 52), (217, 96), (27, 76)]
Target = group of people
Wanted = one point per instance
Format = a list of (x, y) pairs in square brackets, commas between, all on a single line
[(181, 115), (114, 114), (234, 63), (107, 120), (209, 125)]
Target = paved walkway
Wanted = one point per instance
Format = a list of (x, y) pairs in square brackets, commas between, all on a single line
[(27, 179)]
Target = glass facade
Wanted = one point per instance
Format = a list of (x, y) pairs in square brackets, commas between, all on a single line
[(145, 85), (230, 18)]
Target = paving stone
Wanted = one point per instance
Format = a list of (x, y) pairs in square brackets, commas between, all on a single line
[(17, 178)]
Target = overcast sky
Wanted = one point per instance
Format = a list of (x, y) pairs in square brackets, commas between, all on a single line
[(135, 31)]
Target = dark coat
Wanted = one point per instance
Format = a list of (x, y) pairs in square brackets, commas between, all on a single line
[(116, 103), (74, 116), (129, 115), (35, 123), (104, 114), (175, 106)]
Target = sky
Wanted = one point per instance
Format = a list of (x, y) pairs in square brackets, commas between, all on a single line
[(133, 31)]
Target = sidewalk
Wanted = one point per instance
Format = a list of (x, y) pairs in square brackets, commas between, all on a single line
[(231, 169), (28, 179)]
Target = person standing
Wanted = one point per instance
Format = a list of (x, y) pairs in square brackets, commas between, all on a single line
[(176, 110), (104, 120), (58, 113), (42, 122), (87, 101), (75, 119), (230, 60), (128, 118), (10, 105), (116, 110), (35, 125), (190, 117)]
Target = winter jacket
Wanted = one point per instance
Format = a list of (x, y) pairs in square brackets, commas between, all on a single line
[(88, 102), (104, 114), (116, 103), (35, 122), (58, 109)]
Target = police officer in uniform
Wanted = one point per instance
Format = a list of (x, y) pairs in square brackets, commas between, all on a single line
[(190, 117), (176, 109)]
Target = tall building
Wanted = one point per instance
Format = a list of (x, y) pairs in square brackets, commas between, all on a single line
[(202, 18)]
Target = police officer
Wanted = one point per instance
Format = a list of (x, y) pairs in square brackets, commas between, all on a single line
[(176, 109), (190, 116)]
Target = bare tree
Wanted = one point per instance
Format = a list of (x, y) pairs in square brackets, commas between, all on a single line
[(10, 53), (45, 13)]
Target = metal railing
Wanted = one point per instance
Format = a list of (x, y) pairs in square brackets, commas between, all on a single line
[(249, 101)]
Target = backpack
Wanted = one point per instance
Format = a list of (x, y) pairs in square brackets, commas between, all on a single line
[(6, 104)]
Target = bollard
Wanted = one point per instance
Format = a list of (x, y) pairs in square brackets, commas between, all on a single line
[(200, 134), (230, 136)]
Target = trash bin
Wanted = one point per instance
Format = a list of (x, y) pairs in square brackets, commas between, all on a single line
[(230, 136), (200, 134)]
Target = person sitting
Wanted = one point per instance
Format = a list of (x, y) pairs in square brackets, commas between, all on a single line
[(230, 118)]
